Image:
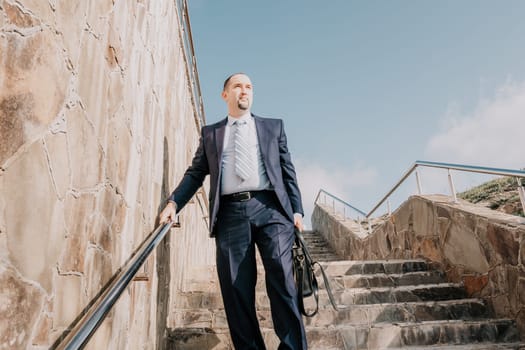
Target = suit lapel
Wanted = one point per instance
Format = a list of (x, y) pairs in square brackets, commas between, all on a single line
[(263, 135), (219, 140)]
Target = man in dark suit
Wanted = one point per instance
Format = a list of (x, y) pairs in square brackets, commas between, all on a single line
[(254, 201)]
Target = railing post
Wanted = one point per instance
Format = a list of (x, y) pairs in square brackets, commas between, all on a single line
[(317, 197), (452, 188), (521, 192), (418, 182)]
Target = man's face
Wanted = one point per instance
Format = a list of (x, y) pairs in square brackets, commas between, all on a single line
[(238, 95)]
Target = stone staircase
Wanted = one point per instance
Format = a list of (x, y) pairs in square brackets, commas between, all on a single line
[(394, 304)]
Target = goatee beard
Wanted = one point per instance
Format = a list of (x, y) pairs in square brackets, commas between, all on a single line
[(243, 105)]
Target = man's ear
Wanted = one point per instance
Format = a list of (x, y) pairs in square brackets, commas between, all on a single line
[(224, 95)]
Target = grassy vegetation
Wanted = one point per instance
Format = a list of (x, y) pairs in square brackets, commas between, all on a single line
[(499, 194)]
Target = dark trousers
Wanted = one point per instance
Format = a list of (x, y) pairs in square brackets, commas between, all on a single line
[(240, 227)]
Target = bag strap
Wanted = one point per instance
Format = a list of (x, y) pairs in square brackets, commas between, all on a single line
[(315, 286), (315, 291), (328, 288)]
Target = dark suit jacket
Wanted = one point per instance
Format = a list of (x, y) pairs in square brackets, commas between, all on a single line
[(207, 160)]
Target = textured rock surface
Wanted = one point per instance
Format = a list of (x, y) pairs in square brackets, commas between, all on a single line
[(479, 247), (96, 125)]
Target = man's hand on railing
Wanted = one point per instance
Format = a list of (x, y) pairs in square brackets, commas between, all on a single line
[(169, 213)]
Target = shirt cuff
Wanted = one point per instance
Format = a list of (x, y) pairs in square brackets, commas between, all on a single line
[(297, 215)]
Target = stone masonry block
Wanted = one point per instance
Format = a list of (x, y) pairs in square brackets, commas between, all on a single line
[(20, 304), (31, 226), (120, 144), (513, 275), (504, 243), (443, 226), (85, 151), (40, 9), (98, 270), (426, 223), (78, 210), (428, 248), (522, 248), (401, 217), (18, 16), (68, 13), (43, 331), (36, 81), (382, 337), (193, 318), (97, 15), (93, 83), (68, 299), (464, 248), (72, 257), (99, 233), (474, 284), (57, 151)]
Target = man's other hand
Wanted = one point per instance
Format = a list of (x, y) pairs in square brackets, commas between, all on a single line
[(298, 222)]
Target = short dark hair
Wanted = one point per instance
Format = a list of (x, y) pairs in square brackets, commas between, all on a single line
[(228, 79)]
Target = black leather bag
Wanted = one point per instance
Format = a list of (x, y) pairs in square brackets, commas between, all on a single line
[(305, 280)]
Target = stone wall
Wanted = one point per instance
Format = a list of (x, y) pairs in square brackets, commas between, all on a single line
[(482, 248), (96, 126)]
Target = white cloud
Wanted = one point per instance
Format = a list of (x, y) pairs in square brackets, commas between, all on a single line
[(340, 182), (493, 135)]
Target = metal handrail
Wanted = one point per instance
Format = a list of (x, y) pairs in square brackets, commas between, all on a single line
[(334, 198), (191, 62), (88, 324), (449, 166)]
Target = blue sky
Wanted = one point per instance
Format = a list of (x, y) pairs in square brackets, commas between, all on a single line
[(368, 87)]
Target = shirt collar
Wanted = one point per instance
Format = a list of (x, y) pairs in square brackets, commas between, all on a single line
[(247, 116)]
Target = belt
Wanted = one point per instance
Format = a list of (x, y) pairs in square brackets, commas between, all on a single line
[(240, 196)]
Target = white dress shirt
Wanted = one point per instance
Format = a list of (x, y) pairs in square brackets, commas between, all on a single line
[(230, 181)]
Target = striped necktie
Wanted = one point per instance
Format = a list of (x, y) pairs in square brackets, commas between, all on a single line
[(244, 161)]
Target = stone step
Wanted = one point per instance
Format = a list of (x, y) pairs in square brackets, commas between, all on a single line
[(211, 339), (467, 309), (318, 247), (324, 257), (342, 274), (389, 304), (351, 267), (348, 297), (386, 280), (454, 332), (401, 294), (480, 346), (423, 334), (490, 334), (374, 273), (198, 339)]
